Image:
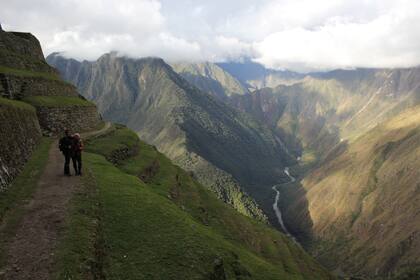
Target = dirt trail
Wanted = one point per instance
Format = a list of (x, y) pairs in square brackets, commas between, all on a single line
[(30, 253)]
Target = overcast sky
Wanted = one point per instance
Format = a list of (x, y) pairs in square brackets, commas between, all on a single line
[(299, 35)]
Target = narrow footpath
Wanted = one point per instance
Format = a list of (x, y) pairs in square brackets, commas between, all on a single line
[(30, 254)]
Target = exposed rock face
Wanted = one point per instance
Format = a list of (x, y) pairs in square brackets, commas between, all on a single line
[(210, 78), (19, 134)]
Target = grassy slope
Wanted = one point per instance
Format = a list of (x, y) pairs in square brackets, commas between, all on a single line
[(168, 228), (11, 201), (29, 74), (17, 104), (57, 101)]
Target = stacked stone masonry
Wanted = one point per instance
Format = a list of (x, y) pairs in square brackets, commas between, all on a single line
[(16, 87), (75, 118), (19, 135), (25, 73)]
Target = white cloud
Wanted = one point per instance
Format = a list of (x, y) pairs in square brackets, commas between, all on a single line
[(300, 35), (389, 40)]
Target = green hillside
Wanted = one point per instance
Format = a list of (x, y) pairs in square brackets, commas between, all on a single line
[(226, 150), (145, 218), (133, 214)]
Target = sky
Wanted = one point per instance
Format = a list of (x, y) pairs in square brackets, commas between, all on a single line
[(299, 35)]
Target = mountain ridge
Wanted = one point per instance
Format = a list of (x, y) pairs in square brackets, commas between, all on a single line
[(183, 122), (132, 215)]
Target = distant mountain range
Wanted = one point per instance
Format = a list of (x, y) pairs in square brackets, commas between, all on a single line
[(133, 214), (223, 147), (256, 76), (349, 136), (211, 78)]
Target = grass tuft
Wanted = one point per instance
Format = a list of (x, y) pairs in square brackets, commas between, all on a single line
[(16, 104), (29, 74)]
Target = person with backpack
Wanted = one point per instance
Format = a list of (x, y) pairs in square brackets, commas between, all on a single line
[(77, 147), (65, 146)]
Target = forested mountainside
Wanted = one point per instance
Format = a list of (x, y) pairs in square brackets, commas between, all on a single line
[(223, 147)]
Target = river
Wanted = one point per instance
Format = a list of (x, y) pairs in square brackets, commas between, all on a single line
[(276, 208)]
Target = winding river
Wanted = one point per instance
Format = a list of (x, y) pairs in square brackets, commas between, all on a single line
[(275, 205)]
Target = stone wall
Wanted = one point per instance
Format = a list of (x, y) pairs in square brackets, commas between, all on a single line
[(76, 118), (17, 87), (19, 135), (22, 51)]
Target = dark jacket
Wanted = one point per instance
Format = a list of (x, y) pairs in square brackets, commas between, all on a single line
[(77, 146), (65, 144)]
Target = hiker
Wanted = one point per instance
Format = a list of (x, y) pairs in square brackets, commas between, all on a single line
[(77, 147), (65, 146)]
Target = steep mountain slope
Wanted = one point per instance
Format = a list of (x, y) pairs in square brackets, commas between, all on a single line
[(363, 202), (200, 133), (210, 78), (333, 117), (159, 223), (324, 109), (132, 215)]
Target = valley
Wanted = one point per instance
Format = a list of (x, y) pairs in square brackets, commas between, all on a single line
[(276, 209), (133, 213), (291, 147), (209, 140)]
